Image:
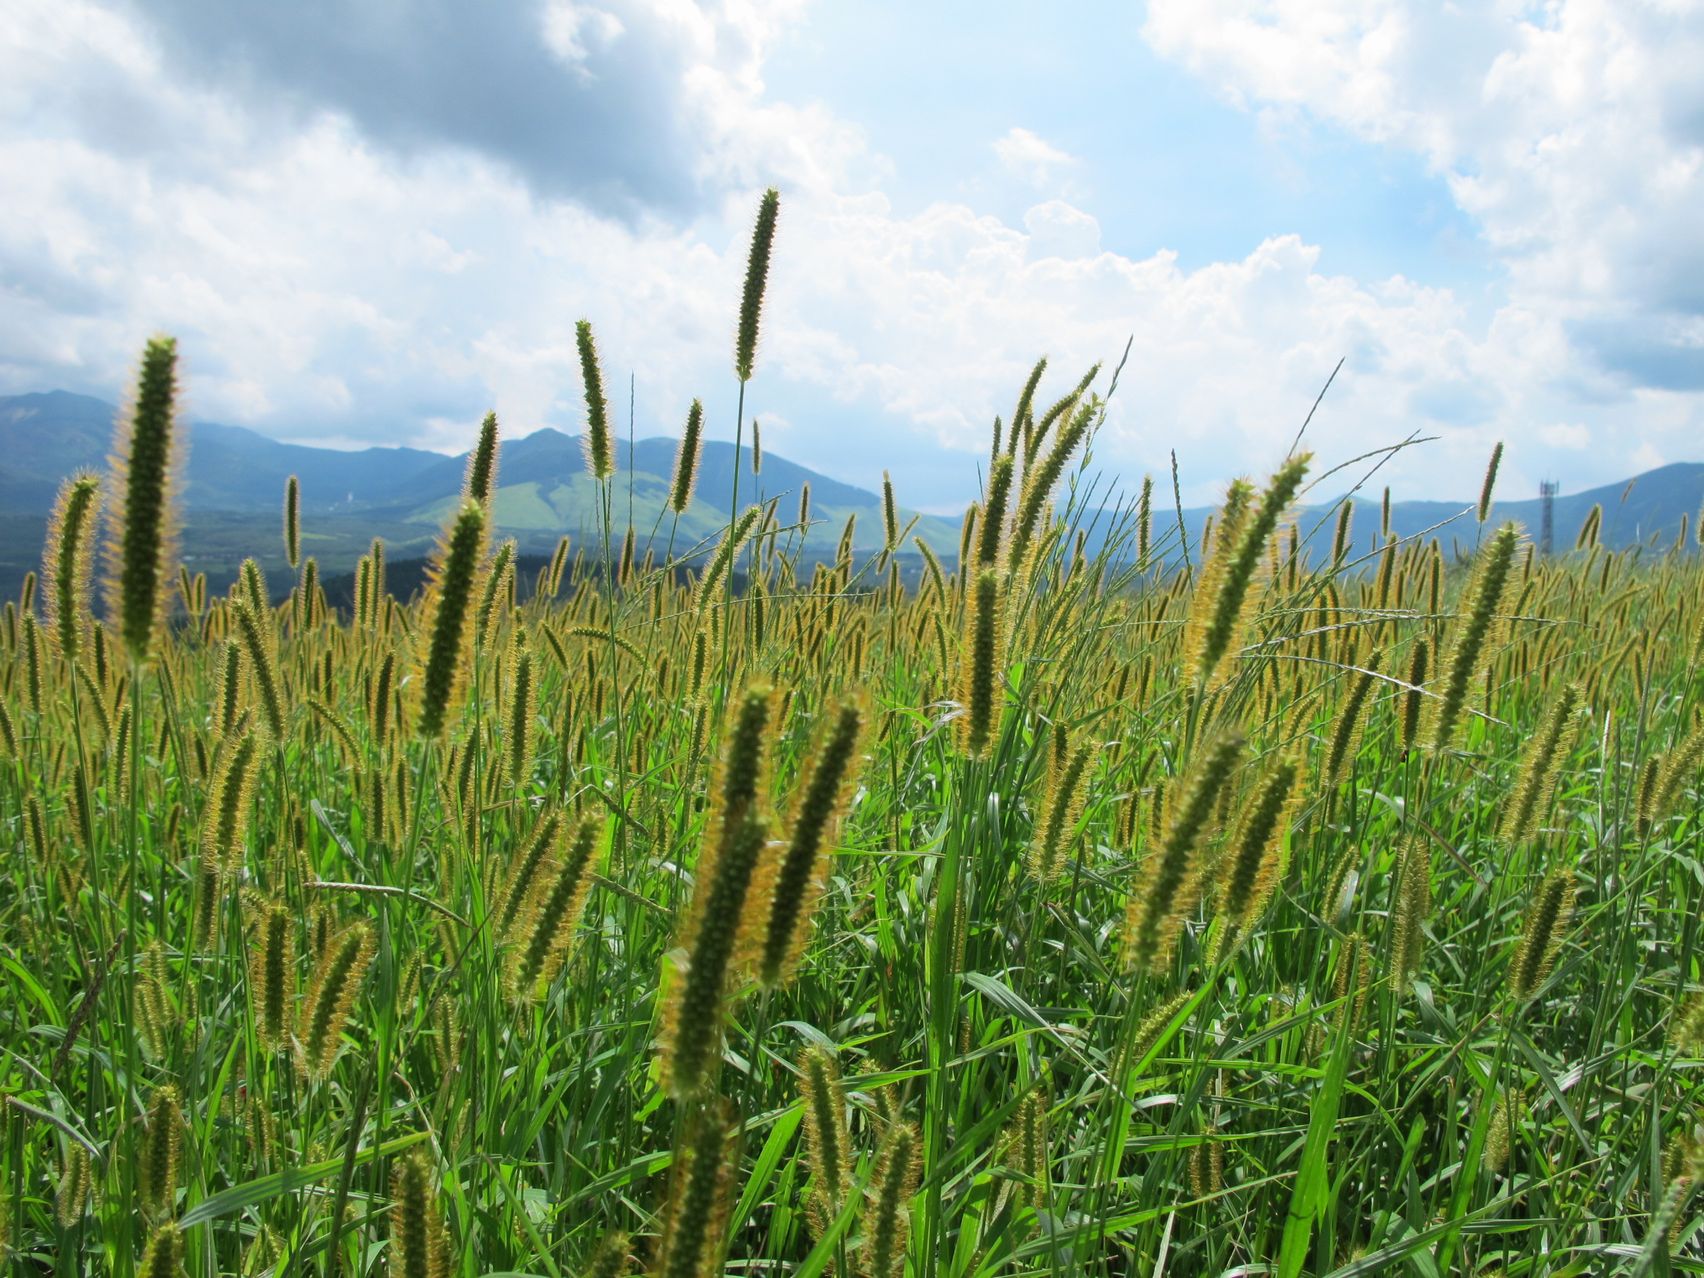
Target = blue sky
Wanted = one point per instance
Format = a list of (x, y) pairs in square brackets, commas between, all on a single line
[(370, 223), (1162, 160)]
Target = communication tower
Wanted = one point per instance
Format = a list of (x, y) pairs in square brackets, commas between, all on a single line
[(1547, 515)]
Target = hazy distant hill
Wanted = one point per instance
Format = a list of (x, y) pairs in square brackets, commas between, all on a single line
[(1646, 507), (234, 480), (233, 484)]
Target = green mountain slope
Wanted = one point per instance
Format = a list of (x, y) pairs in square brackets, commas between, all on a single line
[(234, 479), (232, 486)]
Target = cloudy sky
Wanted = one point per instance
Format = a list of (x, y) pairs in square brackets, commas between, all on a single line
[(370, 220)]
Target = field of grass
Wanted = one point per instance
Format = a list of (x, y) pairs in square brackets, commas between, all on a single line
[(1062, 914)]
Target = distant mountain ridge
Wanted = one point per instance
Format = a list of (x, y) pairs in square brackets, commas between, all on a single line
[(233, 481)]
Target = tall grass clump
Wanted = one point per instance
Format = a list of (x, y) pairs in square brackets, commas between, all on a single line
[(1048, 891)]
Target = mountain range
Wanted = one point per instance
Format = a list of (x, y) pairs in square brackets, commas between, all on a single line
[(231, 488), (232, 484)]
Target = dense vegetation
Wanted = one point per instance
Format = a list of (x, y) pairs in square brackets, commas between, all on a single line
[(1068, 913)]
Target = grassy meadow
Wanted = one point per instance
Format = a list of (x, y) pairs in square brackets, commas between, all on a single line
[(1157, 909)]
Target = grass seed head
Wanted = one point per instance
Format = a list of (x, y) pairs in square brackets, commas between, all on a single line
[(700, 1197), (561, 901), (272, 972), (1243, 536), (75, 1180), (292, 521), (480, 482), (1506, 1116), (991, 522), (757, 277), (687, 459), (417, 1241), (1546, 922), (600, 453), (612, 1259), (257, 632), (1340, 539), (337, 980), (1026, 1146), (140, 548), (161, 1152), (1541, 767), (66, 563), (1414, 696), (797, 883), (225, 817), (1061, 808), (895, 1184), (980, 663), (449, 601), (1472, 634), (1171, 874), (828, 1143), (1026, 398), (1485, 489), (163, 1256), (522, 710), (1254, 864), (1412, 907), (1345, 740)]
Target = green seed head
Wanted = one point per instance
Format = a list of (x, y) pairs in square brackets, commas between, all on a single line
[(480, 482), (699, 1200), (687, 459), (600, 455), (140, 550), (828, 1142), (561, 901), (1490, 483), (416, 1228), (162, 1146), (1481, 605), (70, 550), (1172, 870), (450, 599), (1546, 922), (895, 1184), (757, 277), (163, 1257), (799, 877), (75, 1179), (992, 521), (337, 979), (292, 520), (1412, 907)]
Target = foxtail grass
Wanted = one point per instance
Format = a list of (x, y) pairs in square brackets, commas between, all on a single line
[(600, 452), (687, 459), (1471, 635), (292, 521), (450, 596), (1171, 879), (66, 564), (140, 551), (796, 882), (756, 280)]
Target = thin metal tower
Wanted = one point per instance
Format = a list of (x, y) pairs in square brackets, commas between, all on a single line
[(1547, 515)]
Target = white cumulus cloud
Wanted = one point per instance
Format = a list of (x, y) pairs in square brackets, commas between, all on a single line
[(334, 278), (1573, 132), (1032, 159)]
